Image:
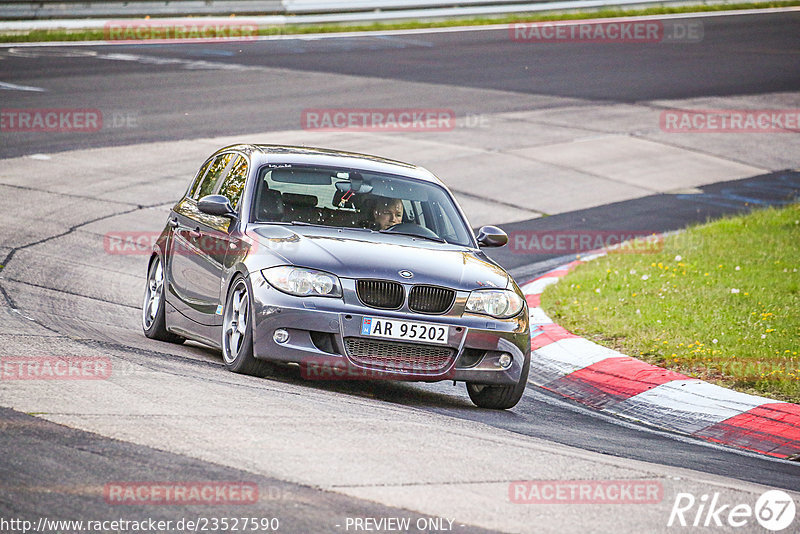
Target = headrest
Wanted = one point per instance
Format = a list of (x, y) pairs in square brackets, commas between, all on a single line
[(270, 206), (300, 201)]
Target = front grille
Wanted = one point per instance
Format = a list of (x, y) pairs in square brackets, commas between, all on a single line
[(405, 357), (380, 294), (431, 299)]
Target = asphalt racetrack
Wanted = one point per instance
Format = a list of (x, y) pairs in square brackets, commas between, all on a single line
[(549, 137)]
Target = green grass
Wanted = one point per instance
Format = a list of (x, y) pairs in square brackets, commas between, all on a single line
[(290, 29), (719, 302)]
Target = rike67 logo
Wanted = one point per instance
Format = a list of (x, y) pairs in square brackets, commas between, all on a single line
[(774, 510)]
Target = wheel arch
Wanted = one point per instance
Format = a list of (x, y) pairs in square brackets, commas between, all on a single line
[(238, 271)]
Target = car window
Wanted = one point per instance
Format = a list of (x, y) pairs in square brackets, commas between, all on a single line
[(215, 171), (233, 185), (199, 178), (356, 198)]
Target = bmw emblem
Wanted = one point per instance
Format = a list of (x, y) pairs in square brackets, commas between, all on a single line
[(405, 273)]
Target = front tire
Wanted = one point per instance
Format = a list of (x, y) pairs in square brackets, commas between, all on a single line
[(499, 397), (154, 322), (237, 332)]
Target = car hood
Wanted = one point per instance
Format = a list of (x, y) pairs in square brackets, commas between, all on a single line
[(354, 253)]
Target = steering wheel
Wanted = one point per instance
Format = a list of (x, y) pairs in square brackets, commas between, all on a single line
[(411, 228)]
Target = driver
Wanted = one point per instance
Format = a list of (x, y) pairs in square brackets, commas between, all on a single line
[(387, 212)]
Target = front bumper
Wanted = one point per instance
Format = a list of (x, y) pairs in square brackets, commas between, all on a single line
[(318, 328)]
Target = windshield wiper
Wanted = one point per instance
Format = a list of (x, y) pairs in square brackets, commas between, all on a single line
[(287, 223), (356, 228), (411, 234)]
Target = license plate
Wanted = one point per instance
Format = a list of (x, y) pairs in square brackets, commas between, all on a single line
[(405, 330)]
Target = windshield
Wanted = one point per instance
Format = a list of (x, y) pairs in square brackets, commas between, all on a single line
[(349, 198)]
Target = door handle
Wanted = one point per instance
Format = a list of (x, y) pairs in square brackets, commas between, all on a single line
[(195, 233), (173, 223)]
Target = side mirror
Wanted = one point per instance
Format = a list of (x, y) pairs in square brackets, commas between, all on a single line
[(216, 205), (491, 236)]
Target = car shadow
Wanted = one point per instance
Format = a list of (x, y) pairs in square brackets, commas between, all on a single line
[(441, 396), (396, 392)]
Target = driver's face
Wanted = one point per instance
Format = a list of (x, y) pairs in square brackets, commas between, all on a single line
[(389, 215)]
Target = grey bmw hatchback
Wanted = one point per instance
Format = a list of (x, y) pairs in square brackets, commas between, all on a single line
[(351, 266)]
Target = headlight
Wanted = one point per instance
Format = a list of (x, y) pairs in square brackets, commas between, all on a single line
[(499, 303), (303, 282)]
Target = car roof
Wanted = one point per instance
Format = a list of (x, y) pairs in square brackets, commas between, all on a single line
[(306, 155)]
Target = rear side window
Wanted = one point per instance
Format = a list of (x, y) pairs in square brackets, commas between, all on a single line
[(233, 185), (215, 171)]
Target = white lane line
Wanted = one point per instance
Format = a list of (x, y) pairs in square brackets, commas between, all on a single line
[(188, 64), (15, 87)]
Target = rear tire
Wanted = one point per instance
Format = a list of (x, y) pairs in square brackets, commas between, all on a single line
[(499, 397), (154, 322), (237, 332)]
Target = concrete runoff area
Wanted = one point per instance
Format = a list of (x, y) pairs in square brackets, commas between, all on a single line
[(95, 472)]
